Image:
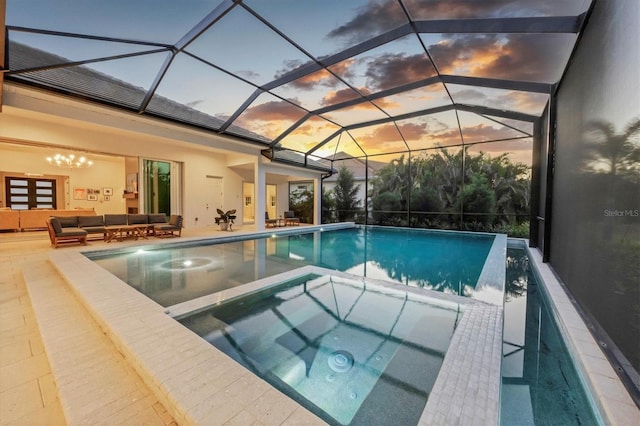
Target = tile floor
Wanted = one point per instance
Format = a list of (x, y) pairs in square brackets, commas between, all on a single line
[(28, 392)]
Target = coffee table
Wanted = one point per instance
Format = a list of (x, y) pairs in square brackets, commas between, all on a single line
[(120, 232)]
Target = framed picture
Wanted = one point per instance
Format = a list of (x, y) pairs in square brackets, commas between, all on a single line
[(92, 197), (132, 182), (107, 197), (107, 191), (79, 193)]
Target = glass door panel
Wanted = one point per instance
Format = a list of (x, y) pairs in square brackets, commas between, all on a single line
[(157, 186), (249, 210)]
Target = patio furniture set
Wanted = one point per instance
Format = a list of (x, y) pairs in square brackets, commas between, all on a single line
[(112, 227), (289, 219)]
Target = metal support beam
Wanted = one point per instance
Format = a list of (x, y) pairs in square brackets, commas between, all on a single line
[(3, 42), (241, 109), (542, 24), (534, 202), (478, 109), (212, 17), (551, 156), (493, 83)]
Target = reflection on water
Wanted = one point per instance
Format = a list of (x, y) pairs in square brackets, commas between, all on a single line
[(539, 382), (446, 262), (317, 341)]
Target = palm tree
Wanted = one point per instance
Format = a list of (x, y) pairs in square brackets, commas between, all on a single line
[(493, 186), (617, 150), (620, 152)]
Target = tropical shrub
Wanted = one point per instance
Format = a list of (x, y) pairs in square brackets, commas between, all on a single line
[(453, 190)]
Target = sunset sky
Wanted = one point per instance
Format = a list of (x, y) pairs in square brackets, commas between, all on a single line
[(239, 54)]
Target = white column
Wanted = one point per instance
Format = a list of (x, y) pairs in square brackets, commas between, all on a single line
[(317, 202), (260, 189)]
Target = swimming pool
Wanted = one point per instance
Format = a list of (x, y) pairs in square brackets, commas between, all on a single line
[(351, 352), (162, 350), (450, 262), (190, 277), (540, 383)]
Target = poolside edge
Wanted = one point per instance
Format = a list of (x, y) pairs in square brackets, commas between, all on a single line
[(194, 381)]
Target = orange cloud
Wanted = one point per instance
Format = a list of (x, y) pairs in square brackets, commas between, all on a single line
[(269, 119), (482, 132), (338, 96), (510, 57), (375, 17), (313, 80), (273, 110), (413, 131), (344, 68), (380, 134)]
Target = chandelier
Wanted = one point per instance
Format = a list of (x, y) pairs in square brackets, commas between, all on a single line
[(70, 161)]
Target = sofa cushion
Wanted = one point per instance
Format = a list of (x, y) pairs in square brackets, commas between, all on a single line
[(55, 223), (158, 218), (68, 221), (94, 229), (137, 219), (72, 232), (86, 221), (115, 219)]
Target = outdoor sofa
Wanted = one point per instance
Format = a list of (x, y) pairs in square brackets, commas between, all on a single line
[(72, 228), (60, 235)]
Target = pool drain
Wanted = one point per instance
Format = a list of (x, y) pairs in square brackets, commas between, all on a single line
[(340, 361)]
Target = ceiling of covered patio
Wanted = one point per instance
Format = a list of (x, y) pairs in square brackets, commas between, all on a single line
[(309, 81)]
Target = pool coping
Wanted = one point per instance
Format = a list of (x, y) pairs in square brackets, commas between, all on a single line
[(232, 237), (196, 382), (491, 282), (199, 304)]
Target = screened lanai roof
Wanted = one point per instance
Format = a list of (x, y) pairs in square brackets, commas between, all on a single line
[(330, 79)]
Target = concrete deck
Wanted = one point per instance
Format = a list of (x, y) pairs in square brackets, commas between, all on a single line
[(30, 394)]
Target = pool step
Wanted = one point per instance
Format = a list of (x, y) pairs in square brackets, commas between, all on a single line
[(95, 384), (516, 406)]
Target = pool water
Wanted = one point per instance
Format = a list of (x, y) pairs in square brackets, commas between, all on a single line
[(540, 384), (351, 353), (450, 262)]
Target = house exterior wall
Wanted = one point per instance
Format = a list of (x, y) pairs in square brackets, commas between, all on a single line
[(50, 120)]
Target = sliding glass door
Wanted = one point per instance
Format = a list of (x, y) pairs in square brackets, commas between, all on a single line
[(161, 187)]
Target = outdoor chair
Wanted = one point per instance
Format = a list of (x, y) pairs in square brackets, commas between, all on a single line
[(291, 219), (269, 222), (171, 229), (59, 235)]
